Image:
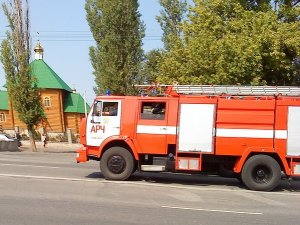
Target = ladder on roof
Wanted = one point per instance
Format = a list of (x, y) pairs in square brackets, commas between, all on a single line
[(237, 90)]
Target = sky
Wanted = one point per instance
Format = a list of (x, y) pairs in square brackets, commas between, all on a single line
[(64, 33)]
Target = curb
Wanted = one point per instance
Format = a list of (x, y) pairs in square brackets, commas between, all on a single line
[(52, 147)]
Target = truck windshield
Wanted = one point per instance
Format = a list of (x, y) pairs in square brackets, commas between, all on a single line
[(97, 110)]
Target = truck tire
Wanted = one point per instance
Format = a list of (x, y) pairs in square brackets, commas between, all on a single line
[(261, 173), (117, 163)]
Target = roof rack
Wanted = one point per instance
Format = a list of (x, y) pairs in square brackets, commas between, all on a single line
[(237, 90)]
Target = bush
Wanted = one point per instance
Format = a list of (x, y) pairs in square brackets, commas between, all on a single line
[(37, 135), (59, 138), (24, 137), (75, 138)]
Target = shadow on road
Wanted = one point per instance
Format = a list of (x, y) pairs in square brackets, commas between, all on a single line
[(199, 180)]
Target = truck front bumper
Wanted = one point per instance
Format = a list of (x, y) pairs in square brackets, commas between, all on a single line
[(81, 155)]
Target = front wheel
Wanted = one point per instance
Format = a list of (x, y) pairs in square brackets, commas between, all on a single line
[(261, 173), (117, 163)]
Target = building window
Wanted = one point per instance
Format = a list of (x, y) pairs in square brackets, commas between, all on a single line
[(2, 117), (47, 102)]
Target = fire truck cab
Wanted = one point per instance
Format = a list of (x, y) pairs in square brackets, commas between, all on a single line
[(251, 133)]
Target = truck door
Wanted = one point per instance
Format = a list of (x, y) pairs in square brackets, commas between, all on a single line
[(152, 126), (196, 128), (293, 131), (103, 121)]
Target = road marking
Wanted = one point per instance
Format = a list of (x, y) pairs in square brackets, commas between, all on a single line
[(213, 210), (25, 165), (45, 177)]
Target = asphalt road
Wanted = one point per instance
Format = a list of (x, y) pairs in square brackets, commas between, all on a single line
[(50, 188)]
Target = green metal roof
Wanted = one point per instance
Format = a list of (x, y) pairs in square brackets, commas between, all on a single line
[(46, 77), (3, 100), (74, 102)]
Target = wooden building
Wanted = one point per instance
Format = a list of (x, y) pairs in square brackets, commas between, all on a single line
[(63, 107)]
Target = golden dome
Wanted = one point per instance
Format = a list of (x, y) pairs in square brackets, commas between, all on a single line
[(38, 48)]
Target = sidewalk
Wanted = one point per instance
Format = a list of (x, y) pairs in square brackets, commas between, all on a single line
[(53, 147)]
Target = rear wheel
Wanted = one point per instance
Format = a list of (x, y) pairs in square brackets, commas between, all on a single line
[(117, 163), (261, 173)]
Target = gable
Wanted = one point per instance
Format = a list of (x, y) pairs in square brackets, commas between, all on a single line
[(74, 103), (3, 100), (46, 77)]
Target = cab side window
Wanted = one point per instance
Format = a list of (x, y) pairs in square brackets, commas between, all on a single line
[(110, 109), (153, 110)]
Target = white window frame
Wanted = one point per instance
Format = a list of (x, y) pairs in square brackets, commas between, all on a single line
[(2, 117), (47, 100)]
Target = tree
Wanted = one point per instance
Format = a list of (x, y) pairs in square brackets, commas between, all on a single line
[(150, 68), (226, 43), (15, 56), (289, 10), (170, 19), (257, 5), (118, 32)]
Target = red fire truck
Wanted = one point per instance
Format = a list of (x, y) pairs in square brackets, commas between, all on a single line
[(253, 132)]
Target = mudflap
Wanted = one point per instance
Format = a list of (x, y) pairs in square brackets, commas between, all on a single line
[(81, 155)]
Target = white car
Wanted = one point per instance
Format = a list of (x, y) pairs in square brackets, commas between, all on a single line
[(7, 137)]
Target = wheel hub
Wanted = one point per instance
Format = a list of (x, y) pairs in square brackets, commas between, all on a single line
[(262, 174), (116, 164)]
